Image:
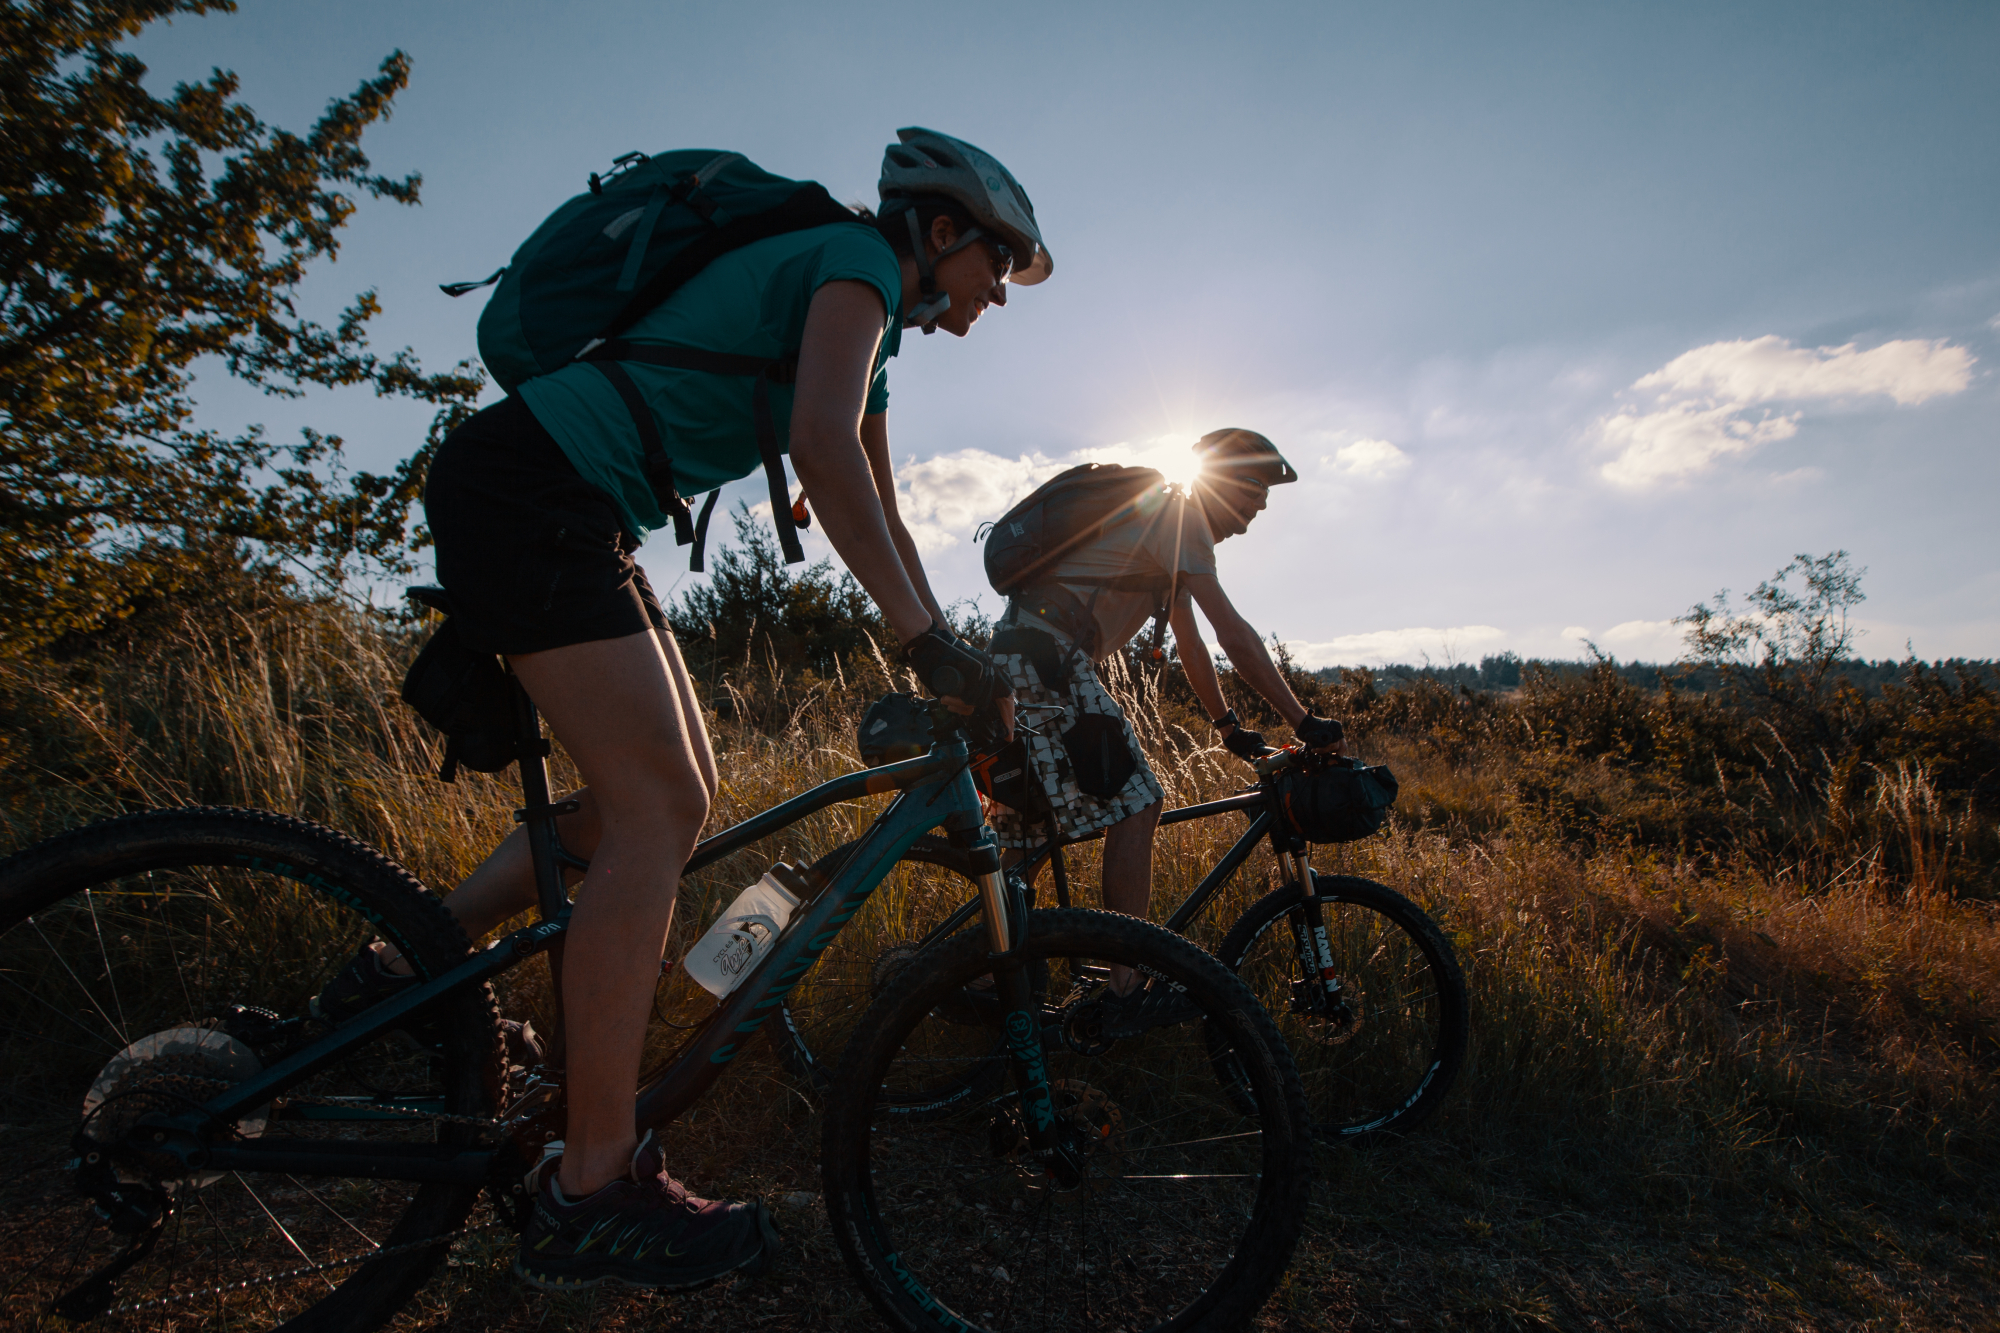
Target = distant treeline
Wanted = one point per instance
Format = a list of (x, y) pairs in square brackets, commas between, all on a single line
[(1505, 671)]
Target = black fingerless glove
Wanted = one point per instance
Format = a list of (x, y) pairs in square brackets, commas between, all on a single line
[(1246, 744), (1319, 732), (947, 666)]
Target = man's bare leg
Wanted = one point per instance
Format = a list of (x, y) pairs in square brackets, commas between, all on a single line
[(1128, 876)]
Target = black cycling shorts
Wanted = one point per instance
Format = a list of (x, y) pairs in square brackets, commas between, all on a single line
[(534, 556)]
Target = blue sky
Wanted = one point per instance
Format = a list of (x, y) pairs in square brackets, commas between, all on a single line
[(1569, 314)]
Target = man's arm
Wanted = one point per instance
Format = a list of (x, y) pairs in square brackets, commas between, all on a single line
[(1195, 661), (875, 444), (1246, 652)]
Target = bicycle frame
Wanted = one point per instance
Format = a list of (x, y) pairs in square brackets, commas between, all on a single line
[(1319, 987), (935, 790)]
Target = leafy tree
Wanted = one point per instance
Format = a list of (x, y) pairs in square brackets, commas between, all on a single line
[(1788, 632), (141, 236), (753, 604)]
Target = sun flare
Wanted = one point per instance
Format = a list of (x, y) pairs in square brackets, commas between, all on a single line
[(1172, 456)]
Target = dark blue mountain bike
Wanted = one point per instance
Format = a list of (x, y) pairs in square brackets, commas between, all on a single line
[(189, 1147)]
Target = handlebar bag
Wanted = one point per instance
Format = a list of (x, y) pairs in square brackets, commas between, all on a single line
[(1339, 803), (896, 727)]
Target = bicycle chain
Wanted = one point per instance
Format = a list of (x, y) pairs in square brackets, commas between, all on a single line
[(310, 1270), (441, 1117), (271, 1279)]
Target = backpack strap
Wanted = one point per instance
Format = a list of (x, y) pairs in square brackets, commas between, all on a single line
[(701, 531), (659, 467)]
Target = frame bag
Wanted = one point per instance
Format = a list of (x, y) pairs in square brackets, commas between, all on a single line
[(1339, 803)]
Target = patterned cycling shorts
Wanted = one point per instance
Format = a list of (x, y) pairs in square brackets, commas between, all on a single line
[(1078, 814)]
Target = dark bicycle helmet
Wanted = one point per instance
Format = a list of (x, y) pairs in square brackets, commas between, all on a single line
[(1239, 453)]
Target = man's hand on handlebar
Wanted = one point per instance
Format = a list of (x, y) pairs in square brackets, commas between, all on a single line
[(1245, 743)]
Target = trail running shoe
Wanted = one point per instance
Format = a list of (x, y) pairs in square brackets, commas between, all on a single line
[(644, 1231), (1153, 1005)]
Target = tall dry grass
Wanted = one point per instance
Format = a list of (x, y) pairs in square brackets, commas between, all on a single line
[(1688, 1041)]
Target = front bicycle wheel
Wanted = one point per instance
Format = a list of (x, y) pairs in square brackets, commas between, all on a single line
[(1384, 1052), (149, 962), (1179, 1200), (916, 899)]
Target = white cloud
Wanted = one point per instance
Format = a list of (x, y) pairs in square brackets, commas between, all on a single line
[(1680, 438), (1368, 458), (1642, 640), (944, 499), (1761, 370), (1466, 643), (1703, 400)]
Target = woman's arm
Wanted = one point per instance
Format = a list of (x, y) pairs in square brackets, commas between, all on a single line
[(875, 444), (836, 360)]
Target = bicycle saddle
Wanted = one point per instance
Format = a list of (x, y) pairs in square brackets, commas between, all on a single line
[(437, 599)]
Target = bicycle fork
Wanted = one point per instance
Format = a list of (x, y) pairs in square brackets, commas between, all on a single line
[(1005, 909), (1317, 991)]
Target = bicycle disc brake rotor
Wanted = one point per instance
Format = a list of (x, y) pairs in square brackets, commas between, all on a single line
[(1340, 1025), (169, 1072)]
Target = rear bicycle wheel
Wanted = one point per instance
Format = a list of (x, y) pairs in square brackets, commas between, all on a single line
[(148, 963), (1187, 1197), (1386, 1054)]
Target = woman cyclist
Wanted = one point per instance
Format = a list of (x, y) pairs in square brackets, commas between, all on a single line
[(537, 504)]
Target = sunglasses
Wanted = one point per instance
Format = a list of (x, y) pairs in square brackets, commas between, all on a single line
[(1003, 259)]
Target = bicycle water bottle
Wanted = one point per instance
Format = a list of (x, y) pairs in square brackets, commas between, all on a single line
[(744, 932)]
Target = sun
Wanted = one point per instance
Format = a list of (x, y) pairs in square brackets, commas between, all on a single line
[(1172, 456)]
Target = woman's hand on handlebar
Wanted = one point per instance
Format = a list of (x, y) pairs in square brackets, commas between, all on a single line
[(963, 678)]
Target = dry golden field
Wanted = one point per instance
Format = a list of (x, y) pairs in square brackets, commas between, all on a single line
[(1706, 1088)]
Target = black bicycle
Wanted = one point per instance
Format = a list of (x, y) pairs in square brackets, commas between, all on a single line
[(1363, 984), (188, 1145)]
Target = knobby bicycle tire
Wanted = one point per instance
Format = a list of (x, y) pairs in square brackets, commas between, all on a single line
[(123, 945), (1384, 1061), (1191, 1197)]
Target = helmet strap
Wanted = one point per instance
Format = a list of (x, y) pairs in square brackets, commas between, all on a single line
[(935, 302)]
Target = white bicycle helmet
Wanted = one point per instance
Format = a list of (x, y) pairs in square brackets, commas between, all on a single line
[(924, 162)]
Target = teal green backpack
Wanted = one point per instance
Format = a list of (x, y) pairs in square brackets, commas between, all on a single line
[(605, 258)]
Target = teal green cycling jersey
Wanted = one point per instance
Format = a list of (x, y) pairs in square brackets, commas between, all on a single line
[(751, 302)]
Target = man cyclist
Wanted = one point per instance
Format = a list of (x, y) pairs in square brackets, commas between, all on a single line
[(537, 505), (1087, 766)]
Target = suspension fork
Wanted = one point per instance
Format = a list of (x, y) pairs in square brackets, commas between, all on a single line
[(1005, 909), (1318, 987)]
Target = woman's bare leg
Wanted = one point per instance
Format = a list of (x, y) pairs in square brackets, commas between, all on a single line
[(503, 885), (690, 709), (616, 707)]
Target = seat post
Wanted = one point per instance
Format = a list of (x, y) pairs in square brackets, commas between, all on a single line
[(544, 850), (538, 813)]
